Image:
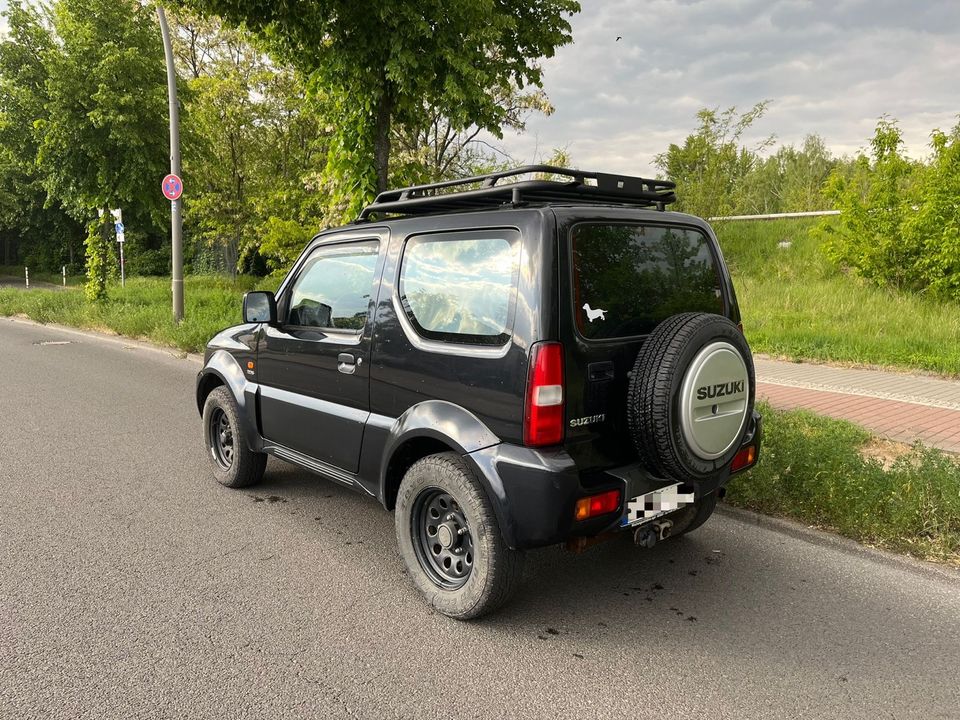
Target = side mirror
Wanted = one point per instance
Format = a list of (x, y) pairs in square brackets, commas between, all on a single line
[(260, 307)]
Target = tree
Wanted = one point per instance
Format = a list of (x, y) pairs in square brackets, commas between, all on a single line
[(256, 145), (935, 226), (790, 180), (389, 63), (874, 197), (103, 142), (710, 166), (41, 233), (442, 150)]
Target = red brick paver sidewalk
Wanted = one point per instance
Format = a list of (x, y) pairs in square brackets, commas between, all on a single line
[(900, 406), (893, 419)]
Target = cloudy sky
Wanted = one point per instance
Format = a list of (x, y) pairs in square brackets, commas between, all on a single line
[(830, 67)]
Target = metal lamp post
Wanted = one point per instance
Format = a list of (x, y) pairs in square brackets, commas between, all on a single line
[(176, 212)]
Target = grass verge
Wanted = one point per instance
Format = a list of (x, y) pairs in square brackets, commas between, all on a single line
[(818, 470), (142, 309), (797, 305)]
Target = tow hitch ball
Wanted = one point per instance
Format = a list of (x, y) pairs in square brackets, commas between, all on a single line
[(648, 535)]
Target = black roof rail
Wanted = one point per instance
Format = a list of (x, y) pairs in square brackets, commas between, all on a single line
[(458, 195)]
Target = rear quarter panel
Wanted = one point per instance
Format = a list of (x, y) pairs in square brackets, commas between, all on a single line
[(489, 382)]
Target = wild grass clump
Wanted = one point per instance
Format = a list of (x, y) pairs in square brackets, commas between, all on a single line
[(798, 305), (812, 469)]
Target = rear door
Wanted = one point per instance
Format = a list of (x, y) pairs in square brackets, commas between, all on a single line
[(620, 277), (314, 368)]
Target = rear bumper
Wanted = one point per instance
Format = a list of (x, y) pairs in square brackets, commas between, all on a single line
[(535, 491)]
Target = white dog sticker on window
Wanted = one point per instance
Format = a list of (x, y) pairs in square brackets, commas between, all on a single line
[(594, 314)]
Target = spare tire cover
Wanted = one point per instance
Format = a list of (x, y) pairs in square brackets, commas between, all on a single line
[(713, 400), (691, 396)]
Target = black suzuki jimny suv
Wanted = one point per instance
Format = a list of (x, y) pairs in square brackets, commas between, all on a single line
[(506, 363)]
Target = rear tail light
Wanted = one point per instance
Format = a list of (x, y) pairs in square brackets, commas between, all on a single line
[(543, 414), (595, 505), (744, 458)]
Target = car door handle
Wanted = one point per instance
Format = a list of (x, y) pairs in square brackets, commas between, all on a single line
[(347, 363)]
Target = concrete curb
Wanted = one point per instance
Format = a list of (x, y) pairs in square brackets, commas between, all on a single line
[(826, 539), (123, 341), (856, 392), (854, 365)]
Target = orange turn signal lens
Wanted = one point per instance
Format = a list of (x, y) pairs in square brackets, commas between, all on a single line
[(250, 365), (595, 505), (744, 458)]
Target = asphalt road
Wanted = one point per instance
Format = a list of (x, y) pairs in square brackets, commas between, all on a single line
[(132, 585)]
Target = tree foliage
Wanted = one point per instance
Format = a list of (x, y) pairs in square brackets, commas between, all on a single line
[(935, 226), (718, 174), (440, 149), (789, 180), (711, 165), (40, 230), (257, 146), (83, 129), (102, 141), (900, 220), (390, 63)]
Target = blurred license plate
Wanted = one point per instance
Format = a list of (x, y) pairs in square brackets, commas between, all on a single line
[(651, 505)]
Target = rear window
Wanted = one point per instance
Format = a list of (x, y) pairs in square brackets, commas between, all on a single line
[(627, 278)]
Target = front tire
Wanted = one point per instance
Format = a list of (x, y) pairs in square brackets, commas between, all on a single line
[(450, 539), (235, 465)]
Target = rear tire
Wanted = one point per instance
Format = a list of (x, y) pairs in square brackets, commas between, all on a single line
[(235, 465), (450, 540)]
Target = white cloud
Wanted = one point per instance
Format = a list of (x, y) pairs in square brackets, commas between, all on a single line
[(830, 67)]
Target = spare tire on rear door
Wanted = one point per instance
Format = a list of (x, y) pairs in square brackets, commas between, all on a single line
[(691, 396)]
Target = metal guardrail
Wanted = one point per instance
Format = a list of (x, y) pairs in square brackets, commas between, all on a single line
[(777, 216)]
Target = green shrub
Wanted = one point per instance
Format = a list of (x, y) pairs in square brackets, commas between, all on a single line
[(900, 221), (935, 226)]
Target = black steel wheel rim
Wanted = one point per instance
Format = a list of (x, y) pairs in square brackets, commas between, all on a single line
[(221, 439), (442, 538)]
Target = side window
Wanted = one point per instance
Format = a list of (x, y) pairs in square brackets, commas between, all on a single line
[(461, 287), (333, 288)]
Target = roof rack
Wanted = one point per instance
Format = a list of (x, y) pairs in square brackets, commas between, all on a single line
[(584, 187)]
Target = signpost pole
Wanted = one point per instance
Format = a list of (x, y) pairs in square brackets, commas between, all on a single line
[(176, 215), (118, 226), (64, 271)]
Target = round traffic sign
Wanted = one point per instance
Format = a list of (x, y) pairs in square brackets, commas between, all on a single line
[(172, 187)]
